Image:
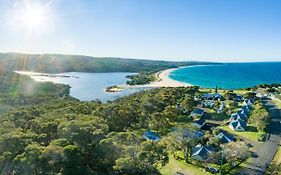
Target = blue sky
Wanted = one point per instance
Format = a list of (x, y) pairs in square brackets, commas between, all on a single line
[(211, 30)]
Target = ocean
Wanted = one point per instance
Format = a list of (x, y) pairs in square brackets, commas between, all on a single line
[(230, 75)]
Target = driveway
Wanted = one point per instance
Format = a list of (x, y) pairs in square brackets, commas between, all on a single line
[(268, 149)]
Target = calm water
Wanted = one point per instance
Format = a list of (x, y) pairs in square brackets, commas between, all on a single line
[(230, 76), (91, 86)]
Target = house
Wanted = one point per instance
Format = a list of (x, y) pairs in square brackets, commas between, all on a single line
[(207, 96), (238, 98), (225, 138), (201, 153), (193, 134), (259, 95), (215, 96), (198, 134), (262, 95), (197, 98), (199, 123), (246, 109), (237, 116), (187, 133), (238, 125), (150, 135), (243, 113), (248, 102), (197, 112), (208, 103)]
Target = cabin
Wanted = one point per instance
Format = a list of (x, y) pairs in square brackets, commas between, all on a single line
[(225, 137), (259, 95), (208, 103), (197, 113), (237, 116), (243, 113), (248, 102), (238, 125), (238, 98), (198, 135), (197, 98), (201, 153), (246, 109), (262, 95), (150, 135), (215, 96), (193, 134), (199, 123)]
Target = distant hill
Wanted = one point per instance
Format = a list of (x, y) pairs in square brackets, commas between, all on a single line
[(56, 63)]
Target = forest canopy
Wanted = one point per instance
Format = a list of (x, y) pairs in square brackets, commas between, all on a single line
[(55, 63)]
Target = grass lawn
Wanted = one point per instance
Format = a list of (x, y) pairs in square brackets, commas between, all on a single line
[(277, 103), (211, 90), (277, 157), (241, 91), (251, 133), (219, 116), (175, 166)]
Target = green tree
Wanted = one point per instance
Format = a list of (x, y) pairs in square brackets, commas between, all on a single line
[(159, 122), (273, 169), (143, 159), (236, 151), (72, 163), (250, 95), (179, 141), (214, 141), (259, 117), (229, 95), (32, 161), (188, 103)]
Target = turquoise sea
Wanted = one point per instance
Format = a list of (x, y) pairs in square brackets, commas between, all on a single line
[(230, 75)]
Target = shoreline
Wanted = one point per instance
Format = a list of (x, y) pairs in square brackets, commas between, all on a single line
[(163, 80), (43, 77)]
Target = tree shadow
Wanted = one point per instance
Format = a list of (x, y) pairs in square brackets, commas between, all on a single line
[(252, 129), (218, 116)]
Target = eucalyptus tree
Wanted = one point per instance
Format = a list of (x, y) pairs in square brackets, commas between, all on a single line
[(183, 140)]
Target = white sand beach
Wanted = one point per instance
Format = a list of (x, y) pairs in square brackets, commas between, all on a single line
[(163, 80)]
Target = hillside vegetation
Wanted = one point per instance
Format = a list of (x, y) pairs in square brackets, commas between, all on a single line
[(17, 90), (44, 131), (54, 63), (64, 136)]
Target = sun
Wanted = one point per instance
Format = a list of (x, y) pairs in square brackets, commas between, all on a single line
[(34, 17), (31, 16)]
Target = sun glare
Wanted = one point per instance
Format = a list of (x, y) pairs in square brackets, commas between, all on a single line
[(32, 17)]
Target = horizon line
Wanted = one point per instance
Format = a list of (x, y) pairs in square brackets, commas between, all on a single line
[(135, 58)]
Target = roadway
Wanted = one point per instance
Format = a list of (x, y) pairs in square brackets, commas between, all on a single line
[(268, 149)]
